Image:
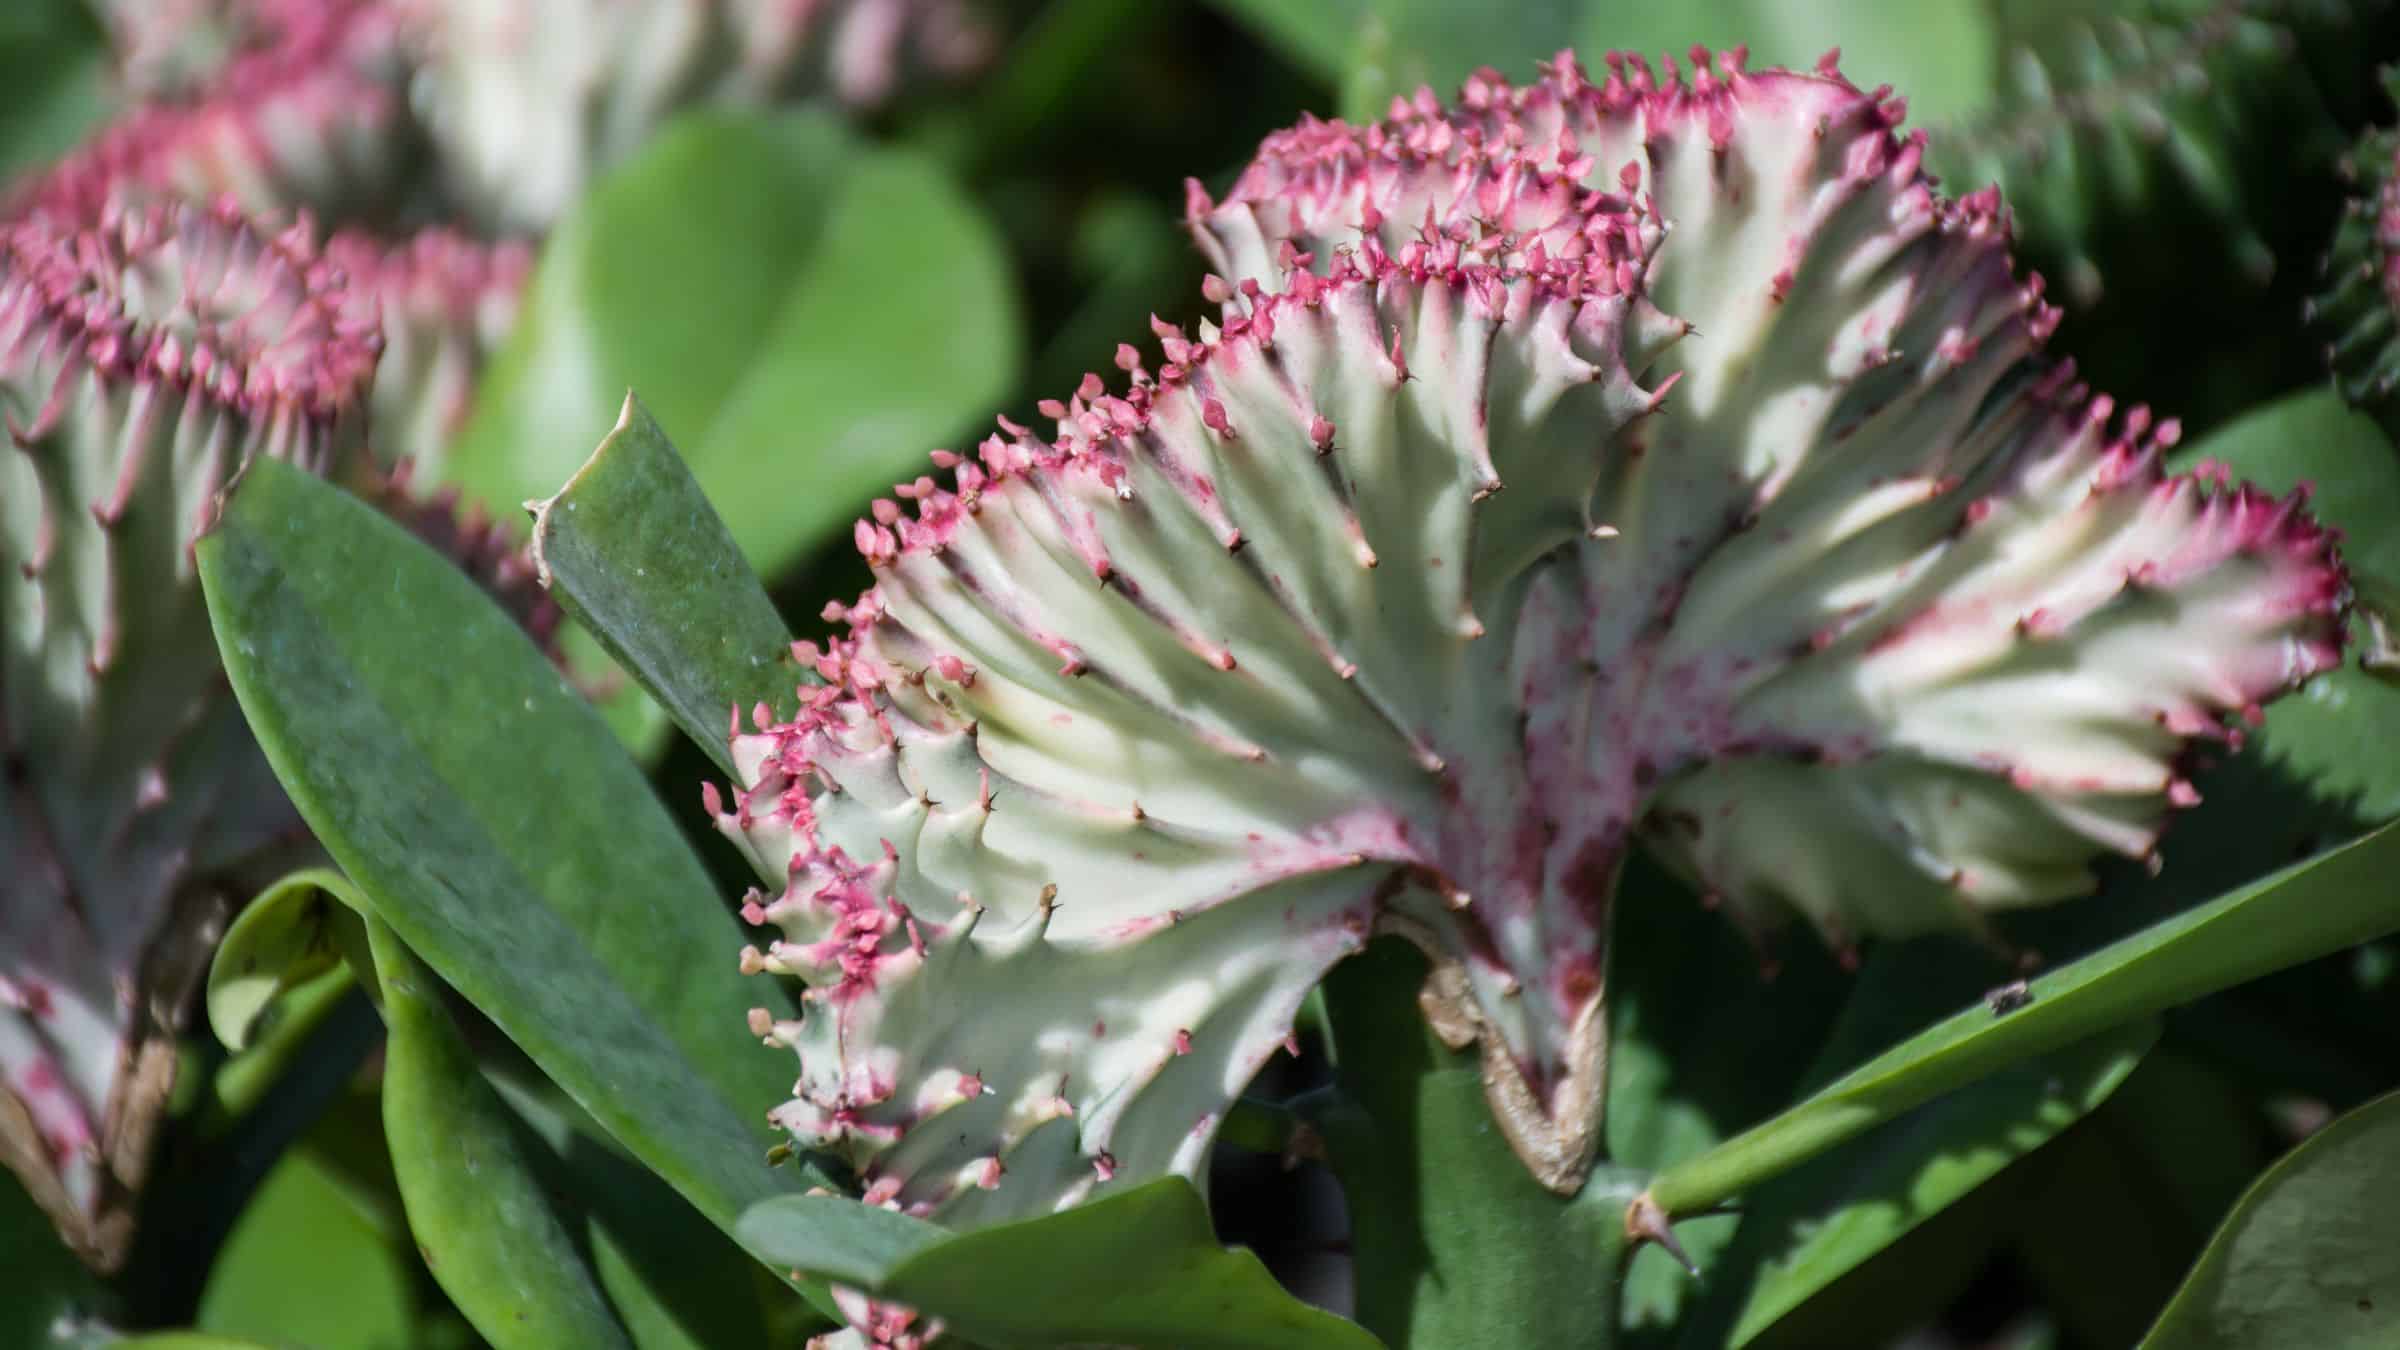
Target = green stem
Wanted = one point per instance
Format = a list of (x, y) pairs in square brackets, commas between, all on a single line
[(1454, 1242), (2335, 900)]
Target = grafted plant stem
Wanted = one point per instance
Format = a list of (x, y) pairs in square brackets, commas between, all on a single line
[(1454, 1242)]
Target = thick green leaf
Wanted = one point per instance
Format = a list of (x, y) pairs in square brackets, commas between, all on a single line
[(494, 823), (2321, 735), (1140, 1268), (1700, 1044), (1816, 1223), (810, 313), (666, 274), (837, 1238), (282, 1040), (184, 1340), (479, 1215), (634, 550), (307, 1266), (2337, 899), (2311, 1254), (1453, 1241), (1900, 1290), (288, 936), (674, 1281)]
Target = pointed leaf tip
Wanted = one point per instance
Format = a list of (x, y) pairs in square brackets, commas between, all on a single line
[(635, 552), (462, 842)]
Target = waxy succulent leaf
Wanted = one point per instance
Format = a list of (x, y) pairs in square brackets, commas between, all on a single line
[(143, 362), (528, 100), (490, 553), (1587, 463), (299, 105)]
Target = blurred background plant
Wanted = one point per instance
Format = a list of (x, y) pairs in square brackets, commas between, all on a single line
[(821, 239)]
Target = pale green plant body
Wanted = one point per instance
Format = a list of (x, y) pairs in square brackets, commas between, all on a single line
[(1594, 463), (143, 364)]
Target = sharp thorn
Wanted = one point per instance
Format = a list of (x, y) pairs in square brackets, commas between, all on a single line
[(1646, 1222)]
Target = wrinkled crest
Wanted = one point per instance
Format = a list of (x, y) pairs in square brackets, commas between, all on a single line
[(143, 361), (1588, 463)]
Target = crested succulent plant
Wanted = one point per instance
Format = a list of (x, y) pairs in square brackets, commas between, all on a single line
[(297, 106), (307, 110), (171, 47), (1592, 463), (2358, 311), (877, 1325), (294, 105), (143, 362), (444, 303), (368, 111), (174, 48), (527, 100)]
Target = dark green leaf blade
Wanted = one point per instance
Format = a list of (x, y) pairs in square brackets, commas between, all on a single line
[(356, 1294), (2308, 1257), (674, 1281), (2147, 1178), (281, 940), (1140, 1268), (1453, 1241), (1700, 1044), (1817, 1223), (633, 549), (836, 1238), (2337, 899), (495, 824), (488, 1233)]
